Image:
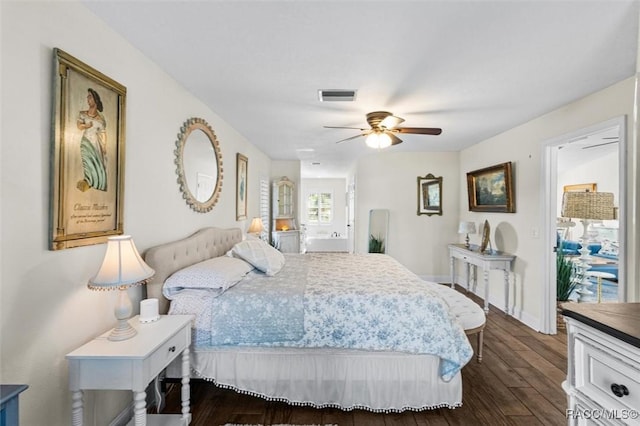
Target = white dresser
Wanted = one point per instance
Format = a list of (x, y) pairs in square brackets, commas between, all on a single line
[(603, 371)]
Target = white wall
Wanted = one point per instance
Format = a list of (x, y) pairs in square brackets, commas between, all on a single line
[(520, 233), (389, 180), (46, 309)]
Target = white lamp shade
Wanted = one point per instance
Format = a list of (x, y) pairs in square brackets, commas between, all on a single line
[(122, 265), (467, 228), (256, 226), (378, 140)]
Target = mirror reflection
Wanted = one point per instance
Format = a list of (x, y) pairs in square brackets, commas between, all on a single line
[(198, 161), (378, 230)]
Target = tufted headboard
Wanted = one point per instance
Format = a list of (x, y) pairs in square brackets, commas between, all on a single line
[(169, 257)]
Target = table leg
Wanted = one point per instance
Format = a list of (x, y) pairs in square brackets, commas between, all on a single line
[(140, 408), (506, 292), (76, 408), (452, 270), (485, 274), (467, 283), (185, 394)]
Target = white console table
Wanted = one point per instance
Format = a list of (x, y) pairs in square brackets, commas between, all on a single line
[(132, 364), (495, 260)]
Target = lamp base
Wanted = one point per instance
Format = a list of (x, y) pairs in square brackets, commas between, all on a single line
[(123, 331)]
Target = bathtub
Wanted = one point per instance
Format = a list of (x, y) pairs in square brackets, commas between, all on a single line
[(326, 243)]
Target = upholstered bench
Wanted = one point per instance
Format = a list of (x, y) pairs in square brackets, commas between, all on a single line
[(470, 315)]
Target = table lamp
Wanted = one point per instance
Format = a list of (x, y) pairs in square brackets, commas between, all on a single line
[(467, 228), (122, 267), (256, 227), (587, 206)]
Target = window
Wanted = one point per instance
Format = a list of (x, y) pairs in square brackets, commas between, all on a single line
[(319, 208)]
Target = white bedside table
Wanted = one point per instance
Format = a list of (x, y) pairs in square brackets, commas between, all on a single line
[(133, 364)]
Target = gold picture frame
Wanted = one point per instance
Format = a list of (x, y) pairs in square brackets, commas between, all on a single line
[(242, 174), (429, 195), (491, 189), (581, 187), (87, 192)]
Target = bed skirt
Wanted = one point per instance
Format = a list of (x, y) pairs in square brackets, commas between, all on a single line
[(345, 379)]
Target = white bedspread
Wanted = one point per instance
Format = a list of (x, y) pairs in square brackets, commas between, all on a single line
[(360, 301)]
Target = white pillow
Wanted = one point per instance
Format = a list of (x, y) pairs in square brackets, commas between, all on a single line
[(218, 273), (261, 255)]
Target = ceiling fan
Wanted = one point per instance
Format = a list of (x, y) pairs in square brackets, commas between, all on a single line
[(384, 128)]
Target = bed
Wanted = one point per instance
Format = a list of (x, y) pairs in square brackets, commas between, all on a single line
[(380, 362)]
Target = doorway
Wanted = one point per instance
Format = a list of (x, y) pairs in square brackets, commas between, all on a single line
[(574, 151)]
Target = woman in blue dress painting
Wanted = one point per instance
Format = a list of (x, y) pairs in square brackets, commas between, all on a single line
[(93, 146)]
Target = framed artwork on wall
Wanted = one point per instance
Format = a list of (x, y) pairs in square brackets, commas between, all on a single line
[(430, 195), (491, 189), (242, 169), (87, 173), (581, 187)]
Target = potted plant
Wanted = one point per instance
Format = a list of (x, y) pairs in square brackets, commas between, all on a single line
[(565, 282), (376, 244)]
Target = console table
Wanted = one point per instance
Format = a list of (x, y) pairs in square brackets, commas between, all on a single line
[(495, 260)]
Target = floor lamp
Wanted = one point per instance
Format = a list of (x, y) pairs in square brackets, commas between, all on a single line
[(586, 206)]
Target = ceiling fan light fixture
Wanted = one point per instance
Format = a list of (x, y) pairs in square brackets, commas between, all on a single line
[(378, 140)]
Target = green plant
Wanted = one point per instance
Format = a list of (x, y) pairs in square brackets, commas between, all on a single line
[(376, 244), (565, 283)]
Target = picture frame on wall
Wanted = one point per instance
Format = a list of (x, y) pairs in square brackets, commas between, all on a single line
[(242, 173), (491, 189), (87, 173), (581, 187), (429, 195)]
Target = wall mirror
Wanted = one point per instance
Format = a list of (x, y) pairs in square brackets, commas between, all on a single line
[(430, 195), (378, 230), (198, 164)]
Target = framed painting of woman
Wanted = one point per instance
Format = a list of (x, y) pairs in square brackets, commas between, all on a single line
[(88, 155)]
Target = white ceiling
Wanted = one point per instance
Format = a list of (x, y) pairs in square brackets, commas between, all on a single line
[(473, 68)]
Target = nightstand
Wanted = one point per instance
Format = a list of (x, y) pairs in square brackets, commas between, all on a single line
[(132, 364)]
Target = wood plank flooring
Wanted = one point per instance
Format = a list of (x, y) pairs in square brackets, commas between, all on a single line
[(517, 383)]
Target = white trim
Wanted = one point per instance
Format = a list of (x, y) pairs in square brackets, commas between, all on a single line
[(124, 417)]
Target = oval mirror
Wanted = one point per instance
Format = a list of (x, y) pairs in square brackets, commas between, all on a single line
[(199, 164)]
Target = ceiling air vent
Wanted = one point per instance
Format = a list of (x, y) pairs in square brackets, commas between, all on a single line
[(336, 95)]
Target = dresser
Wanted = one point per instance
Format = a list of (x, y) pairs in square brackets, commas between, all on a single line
[(132, 364), (10, 405), (603, 371)]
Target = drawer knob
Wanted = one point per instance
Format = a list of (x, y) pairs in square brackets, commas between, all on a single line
[(173, 349), (619, 390)]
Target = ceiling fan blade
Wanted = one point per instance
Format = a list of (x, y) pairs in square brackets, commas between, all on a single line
[(394, 139), (391, 121), (352, 137), (599, 144), (340, 127), (419, 130)]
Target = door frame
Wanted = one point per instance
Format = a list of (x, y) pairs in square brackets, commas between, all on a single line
[(550, 207)]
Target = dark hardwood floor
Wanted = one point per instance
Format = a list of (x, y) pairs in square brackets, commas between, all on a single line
[(517, 383)]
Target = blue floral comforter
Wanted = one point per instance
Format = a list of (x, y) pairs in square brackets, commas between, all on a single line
[(357, 301)]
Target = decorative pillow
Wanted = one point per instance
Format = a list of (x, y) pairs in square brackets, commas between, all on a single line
[(261, 255), (218, 273)]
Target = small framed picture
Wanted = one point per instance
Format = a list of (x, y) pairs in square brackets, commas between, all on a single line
[(429, 195), (242, 169)]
